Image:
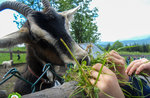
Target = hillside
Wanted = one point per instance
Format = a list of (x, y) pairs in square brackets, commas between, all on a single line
[(137, 41), (131, 41)]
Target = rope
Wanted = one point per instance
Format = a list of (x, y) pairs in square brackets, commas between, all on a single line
[(42, 79)]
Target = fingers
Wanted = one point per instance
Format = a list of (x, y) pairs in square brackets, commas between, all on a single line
[(92, 81), (113, 56), (98, 66), (130, 66), (99, 84), (103, 77), (116, 61), (94, 74), (134, 65), (143, 67), (106, 72)]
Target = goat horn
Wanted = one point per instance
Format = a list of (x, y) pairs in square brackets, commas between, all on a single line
[(17, 6), (46, 4)]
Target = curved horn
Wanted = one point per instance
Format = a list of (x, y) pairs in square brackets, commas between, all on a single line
[(46, 4), (17, 6)]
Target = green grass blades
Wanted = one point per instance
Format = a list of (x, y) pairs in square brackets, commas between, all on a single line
[(81, 74), (6, 56)]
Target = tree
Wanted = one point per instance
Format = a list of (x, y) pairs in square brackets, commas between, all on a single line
[(108, 46), (145, 48), (83, 28), (116, 45), (34, 4)]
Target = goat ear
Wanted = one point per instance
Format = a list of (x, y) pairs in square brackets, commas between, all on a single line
[(19, 37), (70, 13)]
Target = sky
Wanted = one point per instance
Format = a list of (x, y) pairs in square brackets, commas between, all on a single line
[(117, 20), (123, 19)]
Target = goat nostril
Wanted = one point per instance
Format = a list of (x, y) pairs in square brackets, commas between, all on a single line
[(87, 59), (80, 61)]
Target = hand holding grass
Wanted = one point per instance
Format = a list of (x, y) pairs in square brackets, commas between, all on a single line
[(119, 65), (107, 82), (138, 66)]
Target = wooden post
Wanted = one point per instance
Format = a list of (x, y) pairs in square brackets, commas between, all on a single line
[(11, 55), (63, 91)]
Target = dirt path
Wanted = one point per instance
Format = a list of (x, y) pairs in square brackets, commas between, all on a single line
[(9, 85)]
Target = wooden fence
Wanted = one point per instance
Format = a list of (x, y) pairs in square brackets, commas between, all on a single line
[(14, 52)]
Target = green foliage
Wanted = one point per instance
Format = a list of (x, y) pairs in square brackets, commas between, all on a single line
[(6, 56), (19, 19), (34, 4), (139, 48), (116, 45), (108, 46), (84, 28), (22, 58), (130, 48), (81, 74)]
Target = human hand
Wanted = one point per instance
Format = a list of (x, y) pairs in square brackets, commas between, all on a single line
[(137, 66), (107, 82), (119, 61)]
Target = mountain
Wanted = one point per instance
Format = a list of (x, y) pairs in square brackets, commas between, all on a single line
[(138, 40), (135, 40), (103, 44)]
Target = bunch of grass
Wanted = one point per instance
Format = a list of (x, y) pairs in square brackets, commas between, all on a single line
[(81, 74)]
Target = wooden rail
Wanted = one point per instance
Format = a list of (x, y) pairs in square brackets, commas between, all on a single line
[(11, 54), (12, 51)]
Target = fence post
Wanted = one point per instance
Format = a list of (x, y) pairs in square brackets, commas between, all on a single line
[(11, 56)]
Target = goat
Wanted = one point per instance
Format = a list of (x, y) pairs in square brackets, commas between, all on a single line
[(7, 64), (41, 34)]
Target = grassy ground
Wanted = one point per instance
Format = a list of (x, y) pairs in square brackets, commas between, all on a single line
[(6, 56), (14, 49), (9, 85)]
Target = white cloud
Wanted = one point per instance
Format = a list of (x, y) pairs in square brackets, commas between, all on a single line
[(122, 19), (6, 23), (118, 19)]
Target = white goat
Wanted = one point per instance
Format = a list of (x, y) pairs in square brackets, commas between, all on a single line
[(7, 64)]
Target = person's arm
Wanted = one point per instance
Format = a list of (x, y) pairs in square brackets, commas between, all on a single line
[(107, 83)]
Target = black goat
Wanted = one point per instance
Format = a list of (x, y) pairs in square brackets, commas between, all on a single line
[(41, 34)]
